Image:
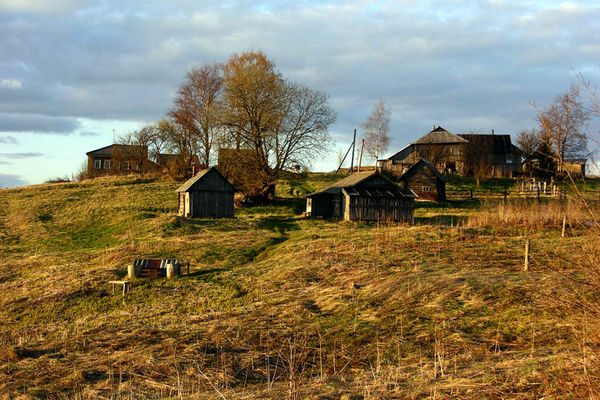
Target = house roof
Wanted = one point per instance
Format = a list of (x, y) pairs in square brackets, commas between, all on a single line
[(349, 185), (440, 136), (107, 150), (494, 144), (201, 174), (416, 165)]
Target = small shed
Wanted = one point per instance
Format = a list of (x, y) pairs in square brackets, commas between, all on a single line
[(425, 181), (363, 196), (208, 194)]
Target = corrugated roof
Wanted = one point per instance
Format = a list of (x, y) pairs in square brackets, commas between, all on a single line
[(438, 136), (355, 179)]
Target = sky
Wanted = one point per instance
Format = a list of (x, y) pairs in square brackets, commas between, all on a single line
[(75, 73)]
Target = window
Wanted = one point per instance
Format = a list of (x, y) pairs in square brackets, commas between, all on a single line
[(97, 164), (106, 164), (454, 151), (126, 165), (427, 188), (509, 158)]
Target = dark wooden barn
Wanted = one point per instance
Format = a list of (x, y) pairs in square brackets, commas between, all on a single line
[(425, 181), (363, 196), (206, 195)]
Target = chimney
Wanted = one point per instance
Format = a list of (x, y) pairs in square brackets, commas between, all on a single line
[(492, 132), (433, 129)]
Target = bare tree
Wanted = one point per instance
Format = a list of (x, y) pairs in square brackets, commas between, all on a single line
[(477, 161), (283, 123), (140, 145), (376, 129), (529, 143), (197, 106), (561, 127), (181, 139)]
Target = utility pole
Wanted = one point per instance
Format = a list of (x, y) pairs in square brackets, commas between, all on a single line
[(353, 150), (362, 145)]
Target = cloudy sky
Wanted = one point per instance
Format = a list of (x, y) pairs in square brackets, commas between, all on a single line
[(75, 72)]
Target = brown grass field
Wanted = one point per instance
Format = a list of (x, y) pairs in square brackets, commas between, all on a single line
[(277, 306)]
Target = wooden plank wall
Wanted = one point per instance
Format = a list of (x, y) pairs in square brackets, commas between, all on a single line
[(379, 209)]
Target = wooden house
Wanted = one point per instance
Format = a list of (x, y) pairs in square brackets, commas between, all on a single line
[(425, 181), (119, 159), (179, 165), (452, 153), (206, 195), (363, 196)]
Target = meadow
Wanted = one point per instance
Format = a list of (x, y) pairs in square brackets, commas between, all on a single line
[(278, 306)]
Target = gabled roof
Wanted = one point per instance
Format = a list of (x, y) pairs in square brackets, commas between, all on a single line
[(416, 165), (492, 143), (349, 183), (403, 153), (190, 182), (440, 136)]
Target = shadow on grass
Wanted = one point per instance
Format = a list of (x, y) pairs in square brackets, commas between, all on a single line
[(279, 224)]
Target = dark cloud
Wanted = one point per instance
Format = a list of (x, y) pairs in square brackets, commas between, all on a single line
[(89, 134), (462, 65), (37, 123), (8, 140), (20, 155), (8, 181)]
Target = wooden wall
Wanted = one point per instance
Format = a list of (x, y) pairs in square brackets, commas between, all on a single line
[(211, 197), (426, 185), (362, 208)]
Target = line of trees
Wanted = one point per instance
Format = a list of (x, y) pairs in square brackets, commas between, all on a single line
[(244, 104)]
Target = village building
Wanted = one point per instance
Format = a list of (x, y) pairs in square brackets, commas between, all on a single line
[(118, 159), (179, 165), (208, 194), (451, 153), (363, 196), (423, 179)]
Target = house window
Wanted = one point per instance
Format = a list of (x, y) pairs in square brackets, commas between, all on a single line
[(126, 165), (106, 164), (509, 158), (427, 189), (97, 164), (454, 151)]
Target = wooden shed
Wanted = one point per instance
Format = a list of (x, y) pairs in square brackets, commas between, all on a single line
[(208, 194), (425, 181), (363, 196)]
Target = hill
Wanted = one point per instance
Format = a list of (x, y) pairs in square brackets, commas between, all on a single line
[(279, 306)]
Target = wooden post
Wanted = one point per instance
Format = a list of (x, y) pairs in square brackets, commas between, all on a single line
[(353, 150), (538, 192), (471, 193), (362, 145), (564, 225), (526, 265), (133, 271), (173, 269)]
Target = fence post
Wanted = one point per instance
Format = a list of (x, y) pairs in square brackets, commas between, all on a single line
[(505, 193), (538, 192), (471, 193), (564, 225), (526, 265)]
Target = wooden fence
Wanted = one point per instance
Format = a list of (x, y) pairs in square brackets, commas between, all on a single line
[(475, 194)]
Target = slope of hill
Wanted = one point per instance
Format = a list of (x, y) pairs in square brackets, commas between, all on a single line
[(275, 305)]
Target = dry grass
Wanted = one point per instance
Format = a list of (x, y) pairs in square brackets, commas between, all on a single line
[(278, 306)]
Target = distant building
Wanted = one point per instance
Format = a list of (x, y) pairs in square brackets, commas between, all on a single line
[(208, 194), (425, 181), (363, 196), (451, 153), (118, 159), (179, 165), (575, 167)]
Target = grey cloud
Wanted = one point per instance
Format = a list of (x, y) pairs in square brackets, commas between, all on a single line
[(37, 123), (89, 134), (20, 155), (468, 66), (8, 140), (8, 181)]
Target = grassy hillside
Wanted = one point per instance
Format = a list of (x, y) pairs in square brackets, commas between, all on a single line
[(279, 306)]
